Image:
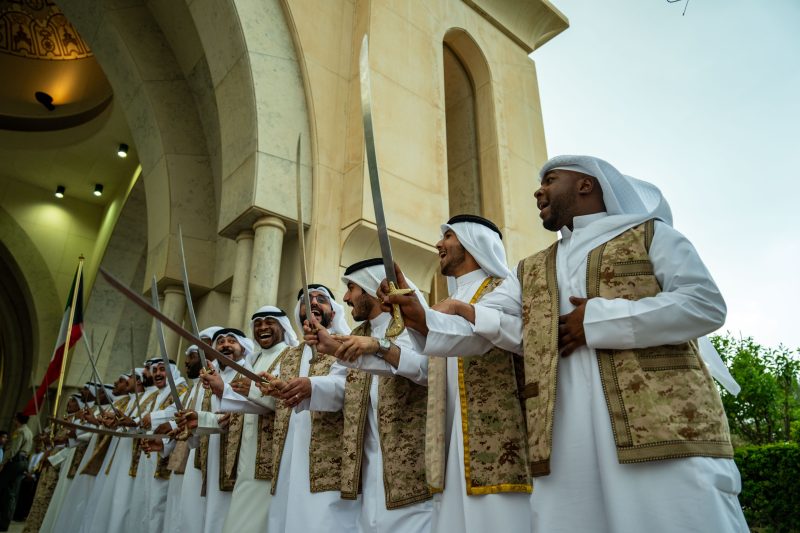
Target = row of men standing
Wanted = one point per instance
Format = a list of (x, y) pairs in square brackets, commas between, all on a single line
[(442, 426)]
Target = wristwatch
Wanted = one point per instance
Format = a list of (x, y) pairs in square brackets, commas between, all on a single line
[(384, 345)]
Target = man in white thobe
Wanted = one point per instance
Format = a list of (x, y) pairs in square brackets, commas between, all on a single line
[(292, 498), (588, 487), (250, 501), (72, 512), (113, 503), (93, 511), (386, 358), (150, 486), (470, 252), (62, 459), (192, 504), (232, 343)]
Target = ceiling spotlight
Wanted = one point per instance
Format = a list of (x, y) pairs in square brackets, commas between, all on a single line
[(122, 151), (60, 190), (98, 189), (45, 99)]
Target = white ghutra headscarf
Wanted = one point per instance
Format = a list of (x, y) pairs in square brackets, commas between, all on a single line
[(484, 242), (270, 311), (338, 325), (368, 275)]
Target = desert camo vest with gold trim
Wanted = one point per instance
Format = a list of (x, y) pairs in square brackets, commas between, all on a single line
[(77, 457), (492, 419), (201, 454), (266, 426), (662, 400), (162, 463), (325, 448), (95, 462), (179, 457), (146, 405), (402, 406)]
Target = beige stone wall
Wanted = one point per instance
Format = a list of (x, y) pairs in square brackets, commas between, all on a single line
[(215, 93)]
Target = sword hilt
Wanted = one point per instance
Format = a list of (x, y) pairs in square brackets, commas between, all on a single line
[(397, 325)]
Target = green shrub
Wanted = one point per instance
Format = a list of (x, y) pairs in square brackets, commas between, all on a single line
[(770, 494)]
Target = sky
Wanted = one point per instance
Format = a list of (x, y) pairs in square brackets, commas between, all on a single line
[(706, 106)]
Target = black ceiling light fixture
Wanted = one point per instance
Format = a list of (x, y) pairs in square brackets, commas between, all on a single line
[(122, 151), (60, 190), (45, 99), (98, 189)]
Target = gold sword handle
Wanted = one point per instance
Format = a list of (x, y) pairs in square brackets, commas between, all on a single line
[(397, 326)]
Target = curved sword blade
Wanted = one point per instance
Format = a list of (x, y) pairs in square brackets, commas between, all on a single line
[(174, 326), (173, 390), (372, 162), (189, 304), (135, 379)]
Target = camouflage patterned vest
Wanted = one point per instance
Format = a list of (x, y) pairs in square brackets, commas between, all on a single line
[(492, 419), (662, 401), (136, 450), (162, 464), (92, 467), (180, 453), (402, 406), (325, 448)]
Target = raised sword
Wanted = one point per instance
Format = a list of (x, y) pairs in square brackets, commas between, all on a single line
[(90, 355), (189, 304), (397, 325), (301, 239), (135, 380), (173, 390), (174, 326)]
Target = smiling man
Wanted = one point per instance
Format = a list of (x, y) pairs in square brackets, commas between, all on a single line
[(307, 446), (253, 461), (385, 403), (216, 454)]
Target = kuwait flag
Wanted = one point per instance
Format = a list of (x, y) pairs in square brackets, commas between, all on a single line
[(54, 368)]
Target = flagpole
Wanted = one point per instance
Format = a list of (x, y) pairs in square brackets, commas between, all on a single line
[(69, 334)]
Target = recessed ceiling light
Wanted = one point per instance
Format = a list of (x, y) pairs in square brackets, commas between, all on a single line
[(98, 189), (45, 99), (60, 190), (122, 151)]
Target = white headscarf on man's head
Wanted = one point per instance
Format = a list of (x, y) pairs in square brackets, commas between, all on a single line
[(629, 202), (339, 323), (368, 275), (270, 311), (623, 195), (247, 345), (484, 242)]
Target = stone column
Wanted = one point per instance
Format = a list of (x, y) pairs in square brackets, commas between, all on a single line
[(173, 304), (238, 312), (174, 307), (262, 288)]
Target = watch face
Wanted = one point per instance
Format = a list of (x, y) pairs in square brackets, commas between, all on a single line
[(384, 344)]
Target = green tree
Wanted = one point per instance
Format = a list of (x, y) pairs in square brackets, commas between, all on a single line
[(768, 407)]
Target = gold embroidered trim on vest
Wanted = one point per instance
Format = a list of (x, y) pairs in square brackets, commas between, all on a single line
[(489, 489)]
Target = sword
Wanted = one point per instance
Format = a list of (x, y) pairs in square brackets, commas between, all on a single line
[(97, 374), (301, 239), (173, 390), (174, 326), (375, 185), (135, 380), (189, 304), (102, 431)]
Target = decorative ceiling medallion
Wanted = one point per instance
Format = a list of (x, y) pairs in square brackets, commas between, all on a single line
[(37, 29)]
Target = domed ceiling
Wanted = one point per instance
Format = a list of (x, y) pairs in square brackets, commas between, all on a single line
[(59, 123)]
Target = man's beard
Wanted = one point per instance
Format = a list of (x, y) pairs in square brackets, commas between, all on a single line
[(324, 319), (560, 212), (361, 309), (147, 381), (456, 257), (193, 370)]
